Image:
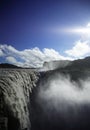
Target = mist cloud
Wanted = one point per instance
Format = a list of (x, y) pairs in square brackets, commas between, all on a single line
[(60, 93)]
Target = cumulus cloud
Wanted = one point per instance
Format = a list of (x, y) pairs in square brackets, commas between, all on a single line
[(81, 49), (11, 59), (30, 57), (88, 25), (35, 57), (1, 53)]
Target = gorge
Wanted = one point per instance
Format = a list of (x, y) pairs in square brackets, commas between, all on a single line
[(56, 99)]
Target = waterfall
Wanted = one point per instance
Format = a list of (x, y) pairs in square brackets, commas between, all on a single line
[(16, 86), (59, 100)]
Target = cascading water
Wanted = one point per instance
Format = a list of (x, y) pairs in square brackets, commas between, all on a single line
[(60, 100), (15, 88)]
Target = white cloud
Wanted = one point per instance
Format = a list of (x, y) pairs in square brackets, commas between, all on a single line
[(30, 57), (52, 54), (81, 49), (11, 59), (35, 57), (1, 53), (88, 25), (82, 46)]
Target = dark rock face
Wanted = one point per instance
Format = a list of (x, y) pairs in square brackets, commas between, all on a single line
[(6, 65)]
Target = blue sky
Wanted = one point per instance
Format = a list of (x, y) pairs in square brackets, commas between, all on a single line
[(26, 24)]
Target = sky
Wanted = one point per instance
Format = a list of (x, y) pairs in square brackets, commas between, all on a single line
[(35, 31)]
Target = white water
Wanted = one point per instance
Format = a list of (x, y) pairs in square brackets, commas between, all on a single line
[(16, 86)]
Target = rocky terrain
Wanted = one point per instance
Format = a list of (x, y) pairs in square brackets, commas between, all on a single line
[(57, 99)]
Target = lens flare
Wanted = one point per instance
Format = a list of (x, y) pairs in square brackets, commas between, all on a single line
[(79, 30)]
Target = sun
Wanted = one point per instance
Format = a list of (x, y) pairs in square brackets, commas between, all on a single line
[(78, 30), (81, 30)]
